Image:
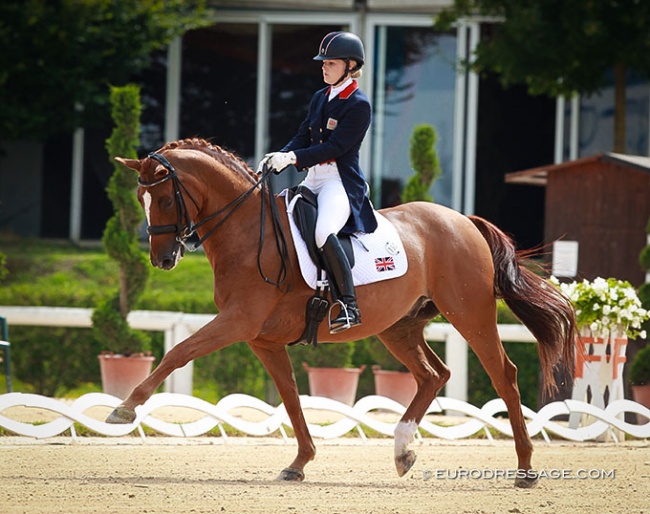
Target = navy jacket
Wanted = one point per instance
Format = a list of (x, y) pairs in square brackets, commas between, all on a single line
[(334, 130)]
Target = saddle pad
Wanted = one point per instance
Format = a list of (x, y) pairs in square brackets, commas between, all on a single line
[(378, 256)]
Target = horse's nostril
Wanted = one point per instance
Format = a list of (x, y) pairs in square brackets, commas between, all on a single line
[(167, 263)]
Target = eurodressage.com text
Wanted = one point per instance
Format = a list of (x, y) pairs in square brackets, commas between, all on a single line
[(511, 474)]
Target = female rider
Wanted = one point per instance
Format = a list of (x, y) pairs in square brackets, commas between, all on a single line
[(327, 147)]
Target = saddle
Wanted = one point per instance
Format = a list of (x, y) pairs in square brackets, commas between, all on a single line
[(305, 212)]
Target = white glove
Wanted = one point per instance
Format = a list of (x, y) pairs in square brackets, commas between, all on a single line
[(280, 160), (265, 160)]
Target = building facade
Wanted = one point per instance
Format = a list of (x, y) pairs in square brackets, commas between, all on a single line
[(245, 82)]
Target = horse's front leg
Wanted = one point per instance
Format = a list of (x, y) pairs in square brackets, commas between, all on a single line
[(215, 335), (276, 360)]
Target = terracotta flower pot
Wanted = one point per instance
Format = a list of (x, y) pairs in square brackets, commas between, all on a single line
[(336, 383), (121, 374), (396, 385)]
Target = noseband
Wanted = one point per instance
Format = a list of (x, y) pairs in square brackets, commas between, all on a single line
[(185, 227)]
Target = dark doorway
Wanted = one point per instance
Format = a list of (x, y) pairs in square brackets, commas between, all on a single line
[(515, 132)]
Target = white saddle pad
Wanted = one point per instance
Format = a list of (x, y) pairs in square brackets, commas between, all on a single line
[(378, 256)]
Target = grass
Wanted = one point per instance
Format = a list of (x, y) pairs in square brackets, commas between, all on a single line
[(55, 273)]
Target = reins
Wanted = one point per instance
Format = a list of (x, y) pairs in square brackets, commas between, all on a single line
[(280, 241), (185, 227)]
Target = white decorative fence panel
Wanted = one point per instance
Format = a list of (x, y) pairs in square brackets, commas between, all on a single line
[(599, 421)]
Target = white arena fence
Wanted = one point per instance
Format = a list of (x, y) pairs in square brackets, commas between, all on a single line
[(599, 422), (177, 326)]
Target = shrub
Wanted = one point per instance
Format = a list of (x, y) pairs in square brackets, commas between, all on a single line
[(52, 360), (120, 236), (424, 162), (640, 368)]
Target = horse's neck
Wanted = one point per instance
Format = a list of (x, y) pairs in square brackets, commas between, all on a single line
[(233, 249), (238, 224)]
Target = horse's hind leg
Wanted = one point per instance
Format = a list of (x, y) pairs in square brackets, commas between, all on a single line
[(480, 331), (406, 342)]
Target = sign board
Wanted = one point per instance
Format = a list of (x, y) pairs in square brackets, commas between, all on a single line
[(565, 258)]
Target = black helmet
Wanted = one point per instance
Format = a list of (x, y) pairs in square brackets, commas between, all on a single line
[(341, 45)]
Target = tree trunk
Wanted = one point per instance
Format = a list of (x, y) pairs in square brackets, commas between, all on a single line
[(619, 108)]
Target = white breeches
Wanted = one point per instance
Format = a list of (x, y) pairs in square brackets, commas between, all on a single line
[(333, 202)]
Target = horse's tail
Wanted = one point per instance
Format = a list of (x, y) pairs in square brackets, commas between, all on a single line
[(542, 307)]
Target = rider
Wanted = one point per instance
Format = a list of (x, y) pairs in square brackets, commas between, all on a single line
[(327, 147)]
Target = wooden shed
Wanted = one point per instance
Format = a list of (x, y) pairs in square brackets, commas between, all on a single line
[(603, 203)]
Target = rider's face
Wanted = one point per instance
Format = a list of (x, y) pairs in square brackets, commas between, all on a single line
[(333, 70)]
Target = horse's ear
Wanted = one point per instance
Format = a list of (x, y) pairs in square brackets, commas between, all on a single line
[(134, 164)]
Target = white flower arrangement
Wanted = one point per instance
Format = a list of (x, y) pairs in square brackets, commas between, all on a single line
[(606, 307)]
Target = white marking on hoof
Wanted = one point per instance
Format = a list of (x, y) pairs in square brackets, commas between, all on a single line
[(404, 434)]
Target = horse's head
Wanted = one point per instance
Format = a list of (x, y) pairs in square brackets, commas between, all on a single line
[(163, 199), (174, 203)]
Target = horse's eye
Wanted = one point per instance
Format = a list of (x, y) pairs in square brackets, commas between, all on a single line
[(166, 203)]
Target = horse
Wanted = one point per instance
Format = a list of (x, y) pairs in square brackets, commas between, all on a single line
[(458, 266)]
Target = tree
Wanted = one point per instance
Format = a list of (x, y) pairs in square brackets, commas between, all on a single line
[(60, 56), (424, 162), (562, 48), (120, 236)]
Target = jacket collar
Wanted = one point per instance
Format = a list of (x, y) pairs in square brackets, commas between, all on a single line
[(347, 92)]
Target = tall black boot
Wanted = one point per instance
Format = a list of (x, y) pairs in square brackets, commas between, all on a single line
[(340, 276)]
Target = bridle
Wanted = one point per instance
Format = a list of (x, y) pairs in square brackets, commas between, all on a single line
[(186, 228)]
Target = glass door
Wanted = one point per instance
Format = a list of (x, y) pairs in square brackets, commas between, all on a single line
[(414, 83)]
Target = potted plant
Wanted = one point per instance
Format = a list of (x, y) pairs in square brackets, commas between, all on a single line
[(126, 359), (606, 307), (329, 370), (608, 312)]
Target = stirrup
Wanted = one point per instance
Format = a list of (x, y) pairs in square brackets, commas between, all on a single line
[(348, 317)]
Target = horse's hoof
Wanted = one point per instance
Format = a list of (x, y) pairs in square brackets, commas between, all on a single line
[(291, 475), (121, 416), (528, 482), (405, 462)]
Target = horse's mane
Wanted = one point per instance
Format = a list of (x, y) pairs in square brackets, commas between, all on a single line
[(222, 156)]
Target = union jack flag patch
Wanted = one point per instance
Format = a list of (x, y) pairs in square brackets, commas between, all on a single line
[(385, 264)]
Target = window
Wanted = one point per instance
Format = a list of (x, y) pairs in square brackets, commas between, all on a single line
[(218, 86), (414, 84)]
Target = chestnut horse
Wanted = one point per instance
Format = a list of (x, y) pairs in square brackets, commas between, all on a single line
[(457, 266)]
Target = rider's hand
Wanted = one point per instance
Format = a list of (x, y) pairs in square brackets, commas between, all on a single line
[(278, 161), (265, 160)]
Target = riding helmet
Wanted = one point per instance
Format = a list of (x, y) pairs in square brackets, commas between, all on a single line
[(341, 45)]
